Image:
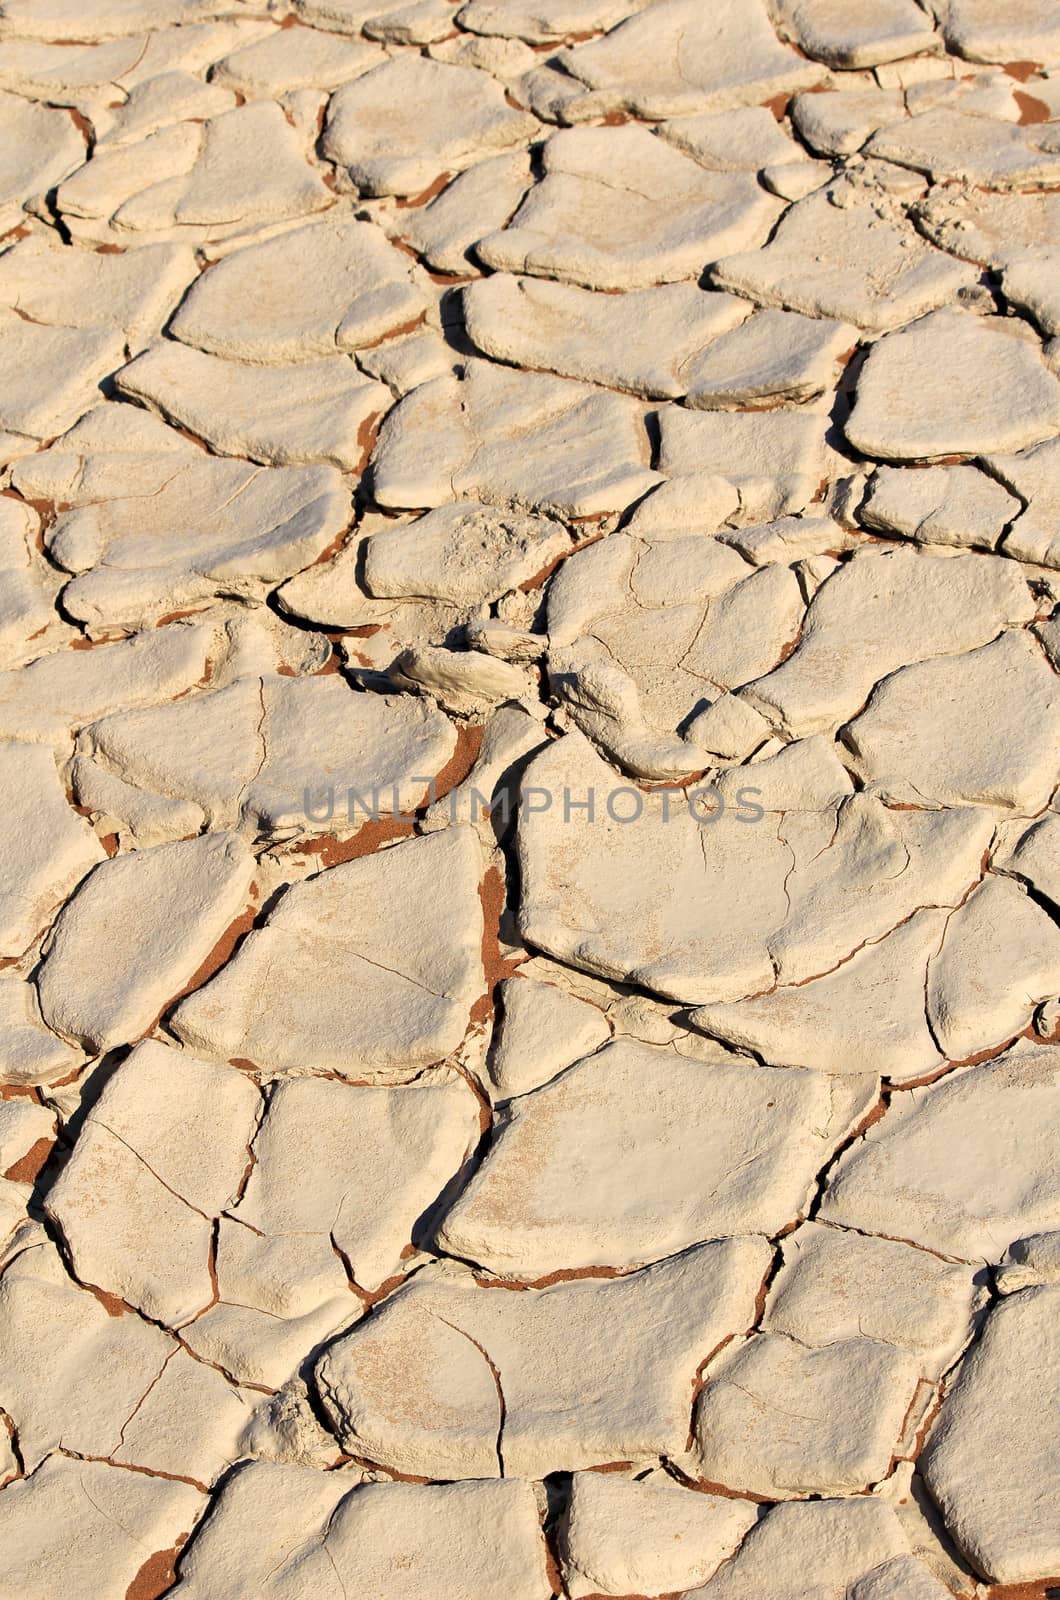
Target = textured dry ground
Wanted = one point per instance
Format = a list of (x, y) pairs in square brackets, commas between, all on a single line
[(617, 441)]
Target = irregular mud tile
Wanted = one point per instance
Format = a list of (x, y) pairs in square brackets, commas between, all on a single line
[(455, 1381), (478, 201), (89, 198), (834, 255), (619, 209), (148, 536), (865, 1016), (963, 1166), (706, 1150), (999, 958), (284, 1428), (1036, 859), (48, 849), (405, 123), (1012, 30), (1032, 476), (380, 1159), (776, 458), (1028, 1262), (986, 1460), (996, 745), (67, 74), (917, 397), (803, 780), (678, 905), (774, 356), (29, 624), (466, 553), (520, 440), (728, 728), (463, 682), (47, 699), (279, 1530), (1034, 285), (137, 933), (314, 412), (505, 59), (863, 34), (68, 288), (189, 1424), (159, 1156), (9, 1467), (642, 341), (287, 1276), (748, 629), (870, 872), (904, 1578), (789, 539), (29, 1052), (76, 1365), (404, 363), (676, 59), (604, 702), (23, 1125), (87, 1526), (541, 1030), (303, 59), (258, 1348), (411, 21), (781, 1420), (950, 144), (939, 505), (161, 101), (839, 1285), (411, 968), (53, 374), (545, 21), (838, 124), (41, 146), (842, 1543), (102, 19), (648, 1536), (986, 226), (744, 140), (880, 611), (326, 286)]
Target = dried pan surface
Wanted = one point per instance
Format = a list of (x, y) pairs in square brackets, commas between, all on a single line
[(530, 777)]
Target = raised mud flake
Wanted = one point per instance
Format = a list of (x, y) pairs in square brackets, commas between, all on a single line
[(305, 59), (917, 397), (282, 1529), (137, 933), (676, 58), (962, 1167), (411, 968), (331, 285), (465, 553), (863, 34), (54, 375), (317, 411), (67, 288), (452, 1381), (776, 459), (835, 1284), (846, 261), (705, 1150), (619, 209), (48, 851), (160, 1155), (520, 440), (88, 1526), (541, 1030), (41, 145), (852, 1548), (381, 1157), (947, 143), (959, 505), (645, 1536), (881, 611), (1001, 30), (402, 125), (642, 341), (839, 123), (775, 356), (781, 1420), (987, 1459), (544, 21), (744, 140), (994, 743), (1032, 475), (476, 202)]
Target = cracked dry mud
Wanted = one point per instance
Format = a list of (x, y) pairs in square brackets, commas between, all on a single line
[(530, 753)]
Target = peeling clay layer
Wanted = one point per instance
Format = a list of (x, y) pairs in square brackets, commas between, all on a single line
[(530, 753)]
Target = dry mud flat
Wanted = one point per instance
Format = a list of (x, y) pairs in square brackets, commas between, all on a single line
[(530, 746)]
